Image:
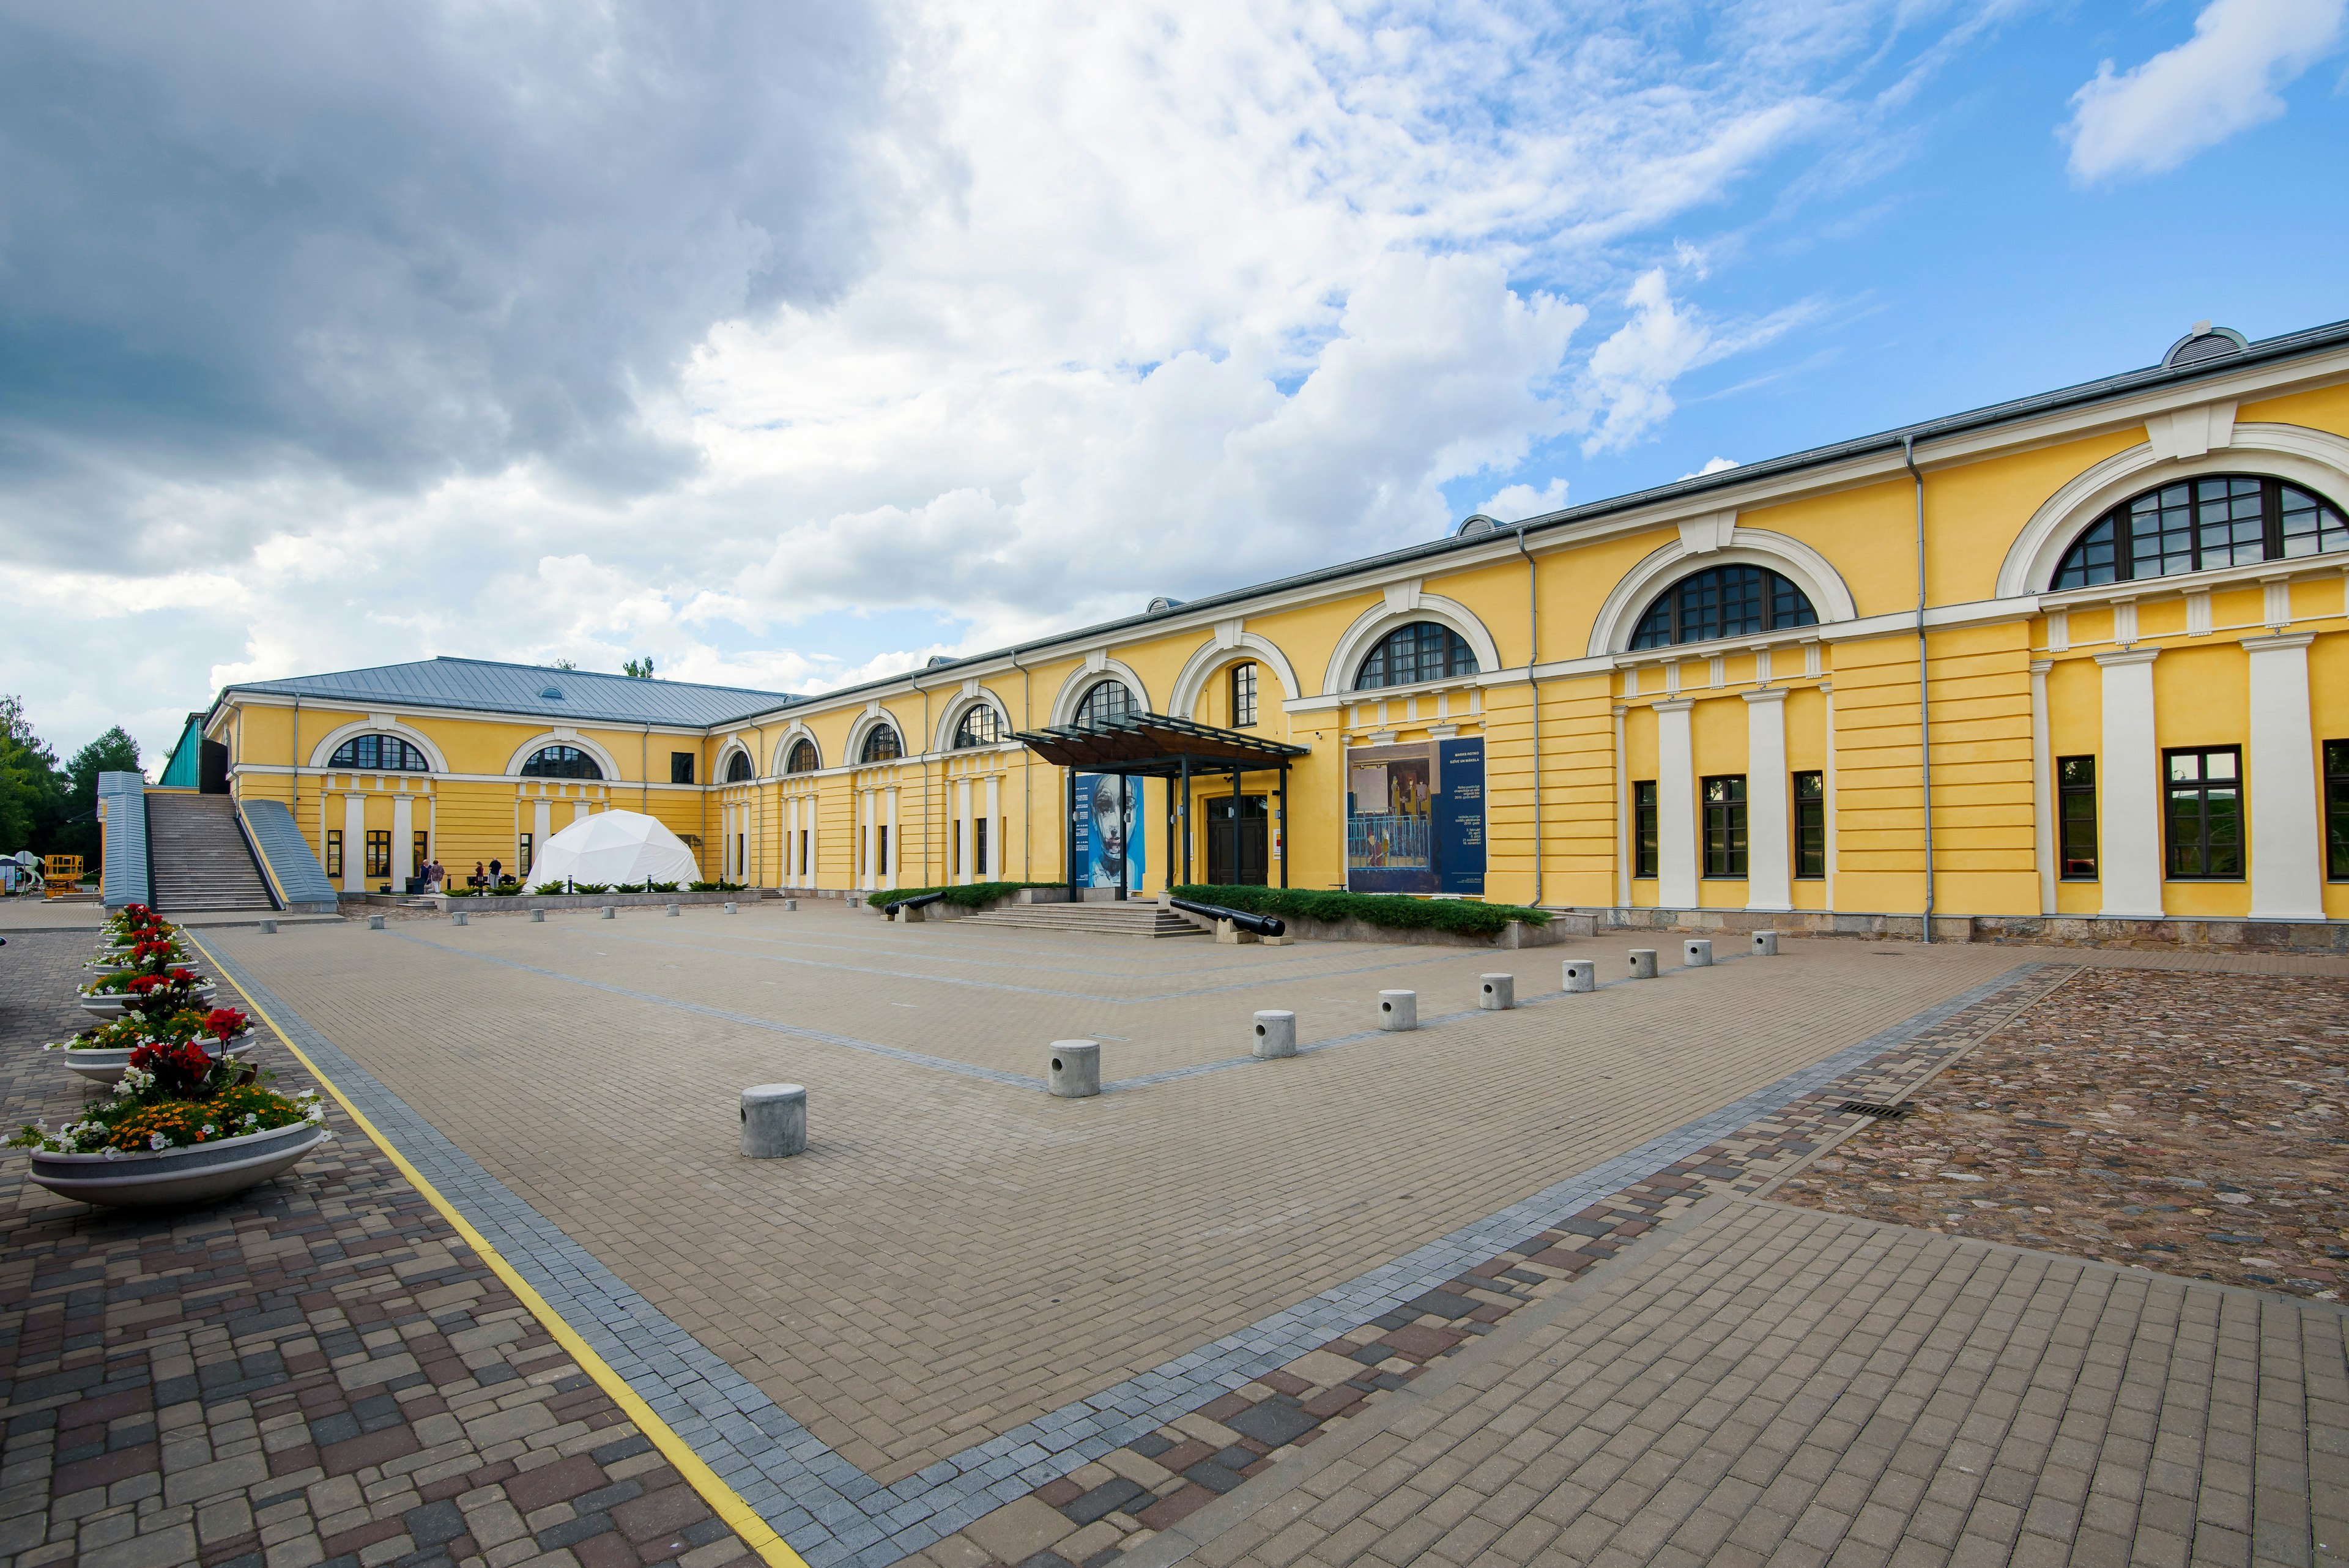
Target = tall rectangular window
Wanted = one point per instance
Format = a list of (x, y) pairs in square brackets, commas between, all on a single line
[(521, 857), (742, 856), (978, 860), (1243, 696), (881, 850), (1724, 826), (2336, 810), (804, 856), (2075, 819), (420, 854), (680, 767), (1643, 828), (378, 852), (334, 852), (2204, 790), (954, 850), (1811, 825)]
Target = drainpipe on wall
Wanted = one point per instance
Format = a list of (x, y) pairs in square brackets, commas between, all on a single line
[(1027, 779), (925, 781), (1533, 656), (1924, 693), (645, 771)]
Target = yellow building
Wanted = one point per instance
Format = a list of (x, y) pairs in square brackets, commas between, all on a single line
[(2101, 631)]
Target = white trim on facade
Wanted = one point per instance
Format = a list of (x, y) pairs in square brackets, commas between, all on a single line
[(1676, 835), (1213, 655), (2286, 817), (568, 737), (2128, 789), (1096, 668), (376, 724), (1619, 614), (1400, 609), (1769, 859)]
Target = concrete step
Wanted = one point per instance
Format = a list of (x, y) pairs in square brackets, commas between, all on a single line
[(197, 858), (1138, 919)]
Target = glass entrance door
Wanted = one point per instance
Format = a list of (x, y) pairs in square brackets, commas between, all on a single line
[(1235, 840)]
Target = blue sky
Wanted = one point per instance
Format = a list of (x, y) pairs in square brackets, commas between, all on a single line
[(792, 345)]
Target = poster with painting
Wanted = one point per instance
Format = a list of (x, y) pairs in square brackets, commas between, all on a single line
[(1416, 818), (1108, 847)]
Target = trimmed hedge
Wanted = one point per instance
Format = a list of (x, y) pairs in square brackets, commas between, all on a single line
[(1398, 911), (968, 896)]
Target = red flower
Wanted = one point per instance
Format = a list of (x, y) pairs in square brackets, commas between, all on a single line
[(225, 1023), (177, 1069)]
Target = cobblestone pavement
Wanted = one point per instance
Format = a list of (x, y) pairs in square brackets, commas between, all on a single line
[(320, 1371), (1775, 1384), (2196, 1124)]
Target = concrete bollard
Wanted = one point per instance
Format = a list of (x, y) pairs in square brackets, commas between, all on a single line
[(1697, 952), (1578, 974), (774, 1121), (1643, 963), (1398, 1010), (375, 922), (1076, 1069), (791, 906), (729, 906), (1276, 1033), (1227, 933), (268, 928), (1496, 992), (609, 912), (460, 919), (672, 910), (1766, 944), (538, 917)]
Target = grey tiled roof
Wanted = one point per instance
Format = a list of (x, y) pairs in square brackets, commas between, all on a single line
[(480, 686)]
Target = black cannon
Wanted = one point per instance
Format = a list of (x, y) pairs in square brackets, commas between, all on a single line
[(925, 901), (1262, 925)]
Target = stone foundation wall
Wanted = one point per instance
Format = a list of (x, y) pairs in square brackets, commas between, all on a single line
[(2035, 930)]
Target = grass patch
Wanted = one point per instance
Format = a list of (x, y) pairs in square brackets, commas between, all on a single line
[(1396, 911)]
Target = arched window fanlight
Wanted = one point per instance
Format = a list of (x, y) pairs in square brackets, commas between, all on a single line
[(561, 763), (803, 758), (1108, 700), (737, 768), (982, 726), (2199, 525), (1420, 651), (382, 753), (1724, 601), (881, 745)]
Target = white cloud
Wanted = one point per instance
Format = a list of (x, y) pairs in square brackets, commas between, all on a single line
[(2221, 81), (1713, 465), (1515, 503)]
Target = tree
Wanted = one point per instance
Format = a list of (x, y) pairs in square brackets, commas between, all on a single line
[(638, 668), (79, 833), (31, 796)]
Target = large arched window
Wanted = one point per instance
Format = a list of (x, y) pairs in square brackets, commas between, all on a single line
[(1724, 601), (1108, 700), (1420, 651), (803, 758), (881, 745), (379, 753), (982, 726), (2200, 524), (561, 763), (737, 768)]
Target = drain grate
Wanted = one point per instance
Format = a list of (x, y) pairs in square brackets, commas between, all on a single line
[(1891, 1112)]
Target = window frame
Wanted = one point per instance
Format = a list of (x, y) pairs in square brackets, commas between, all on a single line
[(2066, 793), (680, 767), (335, 852), (422, 763), (2274, 545), (967, 739), (1647, 837), (2334, 758), (1734, 838), (1668, 599), (868, 751), (568, 767), (1244, 681), (379, 865), (792, 757), (2172, 789), (1459, 660), (522, 857), (1091, 695), (740, 768), (1808, 849)]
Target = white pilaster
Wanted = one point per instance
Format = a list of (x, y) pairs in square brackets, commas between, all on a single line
[(962, 839), (2043, 786), (1675, 806), (2286, 822), (354, 844), (864, 882), (1769, 866), (2128, 788), (995, 834), (897, 844), (542, 826), (402, 819)]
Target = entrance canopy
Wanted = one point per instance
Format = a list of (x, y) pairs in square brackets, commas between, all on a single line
[(1156, 744)]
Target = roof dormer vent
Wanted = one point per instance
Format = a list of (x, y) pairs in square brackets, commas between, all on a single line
[(2205, 342), (1162, 604), (1476, 522), (552, 694)]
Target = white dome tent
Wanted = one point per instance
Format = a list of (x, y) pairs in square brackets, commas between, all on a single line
[(617, 848)]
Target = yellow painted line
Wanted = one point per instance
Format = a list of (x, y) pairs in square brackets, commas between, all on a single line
[(756, 1533)]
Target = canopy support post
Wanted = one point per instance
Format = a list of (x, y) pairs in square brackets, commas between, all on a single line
[(1280, 825), (1069, 838), (1186, 820)]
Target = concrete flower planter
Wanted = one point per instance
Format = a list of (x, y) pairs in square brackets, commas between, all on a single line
[(104, 1066), (171, 1176), (111, 1006)]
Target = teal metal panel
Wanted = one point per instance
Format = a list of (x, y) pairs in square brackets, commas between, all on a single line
[(183, 771)]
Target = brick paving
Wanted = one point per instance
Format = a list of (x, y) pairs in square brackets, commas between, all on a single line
[(2195, 1123), (320, 1371)]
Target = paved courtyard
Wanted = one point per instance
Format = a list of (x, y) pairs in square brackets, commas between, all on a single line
[(979, 1324)]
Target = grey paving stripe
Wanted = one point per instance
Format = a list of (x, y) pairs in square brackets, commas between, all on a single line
[(831, 1511)]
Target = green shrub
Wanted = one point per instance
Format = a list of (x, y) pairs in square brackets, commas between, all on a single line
[(1397, 911), (591, 886), (720, 886), (964, 898)]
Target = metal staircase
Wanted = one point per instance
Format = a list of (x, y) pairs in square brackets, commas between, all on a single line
[(1134, 917), (197, 856)]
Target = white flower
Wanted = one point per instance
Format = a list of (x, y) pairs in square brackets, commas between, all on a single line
[(157, 1140), (112, 1153), (251, 1117), (210, 1130)]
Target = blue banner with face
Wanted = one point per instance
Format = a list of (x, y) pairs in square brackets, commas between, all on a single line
[(1109, 843)]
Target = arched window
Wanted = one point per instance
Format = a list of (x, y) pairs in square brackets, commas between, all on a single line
[(982, 726), (561, 763), (1420, 651), (803, 758), (2200, 524), (1108, 700), (881, 745), (379, 753), (737, 768), (1724, 601)]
